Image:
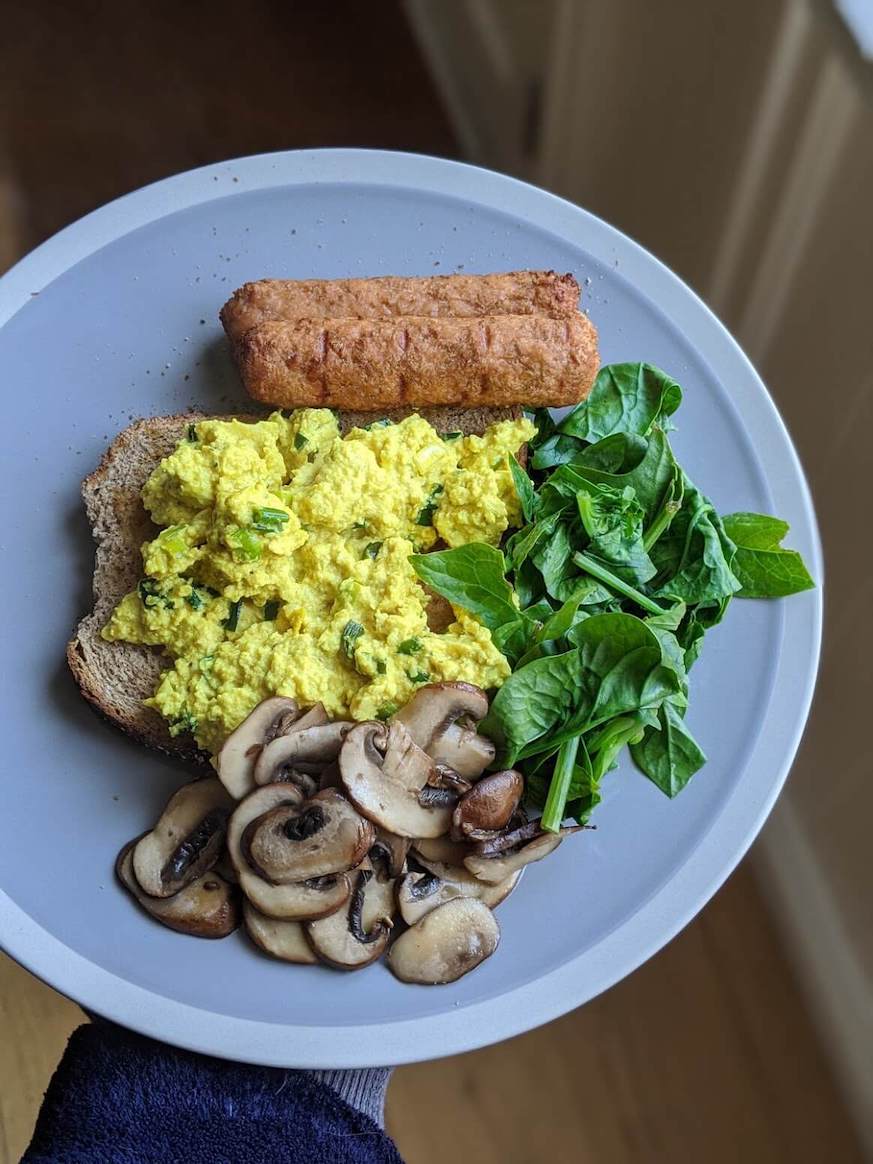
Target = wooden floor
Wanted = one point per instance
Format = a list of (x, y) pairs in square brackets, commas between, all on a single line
[(704, 1055)]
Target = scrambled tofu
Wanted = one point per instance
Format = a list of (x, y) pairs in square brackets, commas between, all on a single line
[(283, 565)]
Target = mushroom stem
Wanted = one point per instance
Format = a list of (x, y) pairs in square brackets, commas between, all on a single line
[(356, 908)]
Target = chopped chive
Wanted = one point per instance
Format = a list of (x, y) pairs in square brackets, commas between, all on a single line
[(195, 599), (384, 423), (386, 711), (420, 677), (452, 436), (300, 441), (372, 550), (409, 646), (192, 432), (271, 609), (185, 722), (232, 621), (151, 594), (381, 667), (359, 525), (352, 631), (425, 514)]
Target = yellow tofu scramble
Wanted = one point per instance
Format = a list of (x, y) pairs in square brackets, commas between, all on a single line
[(283, 565)]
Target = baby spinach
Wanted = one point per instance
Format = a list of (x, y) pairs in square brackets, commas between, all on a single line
[(625, 398), (602, 598), (763, 567)]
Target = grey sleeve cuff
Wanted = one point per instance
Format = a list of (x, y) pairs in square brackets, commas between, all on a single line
[(364, 1089)]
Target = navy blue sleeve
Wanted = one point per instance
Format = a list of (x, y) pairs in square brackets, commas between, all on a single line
[(120, 1098)]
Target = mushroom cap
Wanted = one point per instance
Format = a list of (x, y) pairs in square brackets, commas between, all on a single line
[(355, 936), (207, 907), (321, 836), (383, 773), (489, 805), (498, 868), (446, 943), (306, 748), (432, 717), (285, 940), (419, 893), (235, 762), (295, 902), (186, 841), (442, 849)]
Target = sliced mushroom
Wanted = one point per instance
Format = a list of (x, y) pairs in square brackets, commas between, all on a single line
[(442, 718), (442, 849), (419, 893), (207, 907), (235, 762), (314, 717), (497, 868), (395, 850), (488, 806), (383, 772), (446, 943), (298, 902), (457, 874), (444, 776), (186, 841), (355, 936), (321, 836), (305, 749), (282, 939)]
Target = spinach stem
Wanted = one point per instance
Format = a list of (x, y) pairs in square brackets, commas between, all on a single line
[(556, 801), (615, 583), (662, 521)]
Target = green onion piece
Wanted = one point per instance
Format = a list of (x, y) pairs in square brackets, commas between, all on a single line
[(269, 520), (246, 545), (409, 647), (185, 722), (556, 801), (384, 423), (300, 441), (151, 594), (192, 432), (425, 514), (232, 621), (372, 550), (271, 609), (386, 711), (451, 436), (351, 632), (420, 677), (381, 667), (195, 599)]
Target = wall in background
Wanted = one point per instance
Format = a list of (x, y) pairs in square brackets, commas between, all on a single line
[(736, 142)]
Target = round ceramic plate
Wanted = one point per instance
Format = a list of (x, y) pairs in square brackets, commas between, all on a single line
[(117, 317)]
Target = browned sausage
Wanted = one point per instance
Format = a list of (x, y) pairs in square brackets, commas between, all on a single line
[(375, 364), (513, 293)]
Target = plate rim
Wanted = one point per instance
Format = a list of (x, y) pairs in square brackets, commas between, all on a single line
[(729, 834)]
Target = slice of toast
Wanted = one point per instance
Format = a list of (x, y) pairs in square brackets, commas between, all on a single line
[(115, 678)]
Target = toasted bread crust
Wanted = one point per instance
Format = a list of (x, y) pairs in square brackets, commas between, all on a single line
[(116, 677)]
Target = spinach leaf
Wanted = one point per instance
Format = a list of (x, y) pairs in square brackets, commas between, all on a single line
[(694, 555), (616, 667), (625, 398), (669, 755), (613, 520), (473, 576), (524, 488), (763, 567), (556, 450)]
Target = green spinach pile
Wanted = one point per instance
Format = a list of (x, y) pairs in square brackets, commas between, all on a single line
[(601, 600)]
